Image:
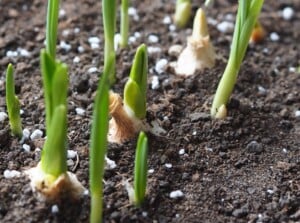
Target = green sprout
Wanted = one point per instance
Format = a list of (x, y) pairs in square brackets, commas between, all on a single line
[(50, 178), (51, 26), (140, 169), (55, 82), (12, 103), (247, 14), (124, 23), (109, 22), (98, 145), (136, 87), (126, 120), (182, 12)]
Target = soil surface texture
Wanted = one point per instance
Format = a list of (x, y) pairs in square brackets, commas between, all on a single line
[(245, 168)]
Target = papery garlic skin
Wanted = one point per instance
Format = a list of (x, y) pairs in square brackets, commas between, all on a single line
[(199, 53), (52, 190)]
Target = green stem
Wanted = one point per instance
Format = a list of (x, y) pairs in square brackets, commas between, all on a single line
[(51, 27), (225, 87), (140, 169), (98, 145), (109, 23), (124, 23), (96, 206), (54, 154), (12, 103)]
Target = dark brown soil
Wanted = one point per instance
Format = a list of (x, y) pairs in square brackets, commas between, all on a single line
[(245, 168)]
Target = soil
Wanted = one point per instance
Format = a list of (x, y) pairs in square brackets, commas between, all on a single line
[(245, 168)]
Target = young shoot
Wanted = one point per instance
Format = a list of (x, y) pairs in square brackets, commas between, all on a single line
[(140, 169), (137, 193), (51, 27), (50, 178), (247, 15), (199, 52), (98, 145), (127, 119), (183, 11), (12, 103), (109, 23), (124, 23)]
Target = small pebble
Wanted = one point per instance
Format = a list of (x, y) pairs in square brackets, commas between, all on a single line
[(225, 27), (269, 191), (261, 90), (80, 49), (26, 133), (292, 69), (62, 13), (76, 59), (168, 165), (94, 39), (151, 171), (137, 35), (54, 209), (92, 70), (23, 52), (26, 147), (95, 46), (71, 154), (194, 133), (65, 46), (110, 164), (133, 12), (287, 13), (80, 111), (274, 37), (144, 214), (153, 49), (172, 27), (297, 114), (181, 152), (153, 38), (161, 66), (76, 30), (8, 174), (65, 32), (86, 192), (132, 39), (70, 162), (284, 150), (254, 147), (36, 134), (176, 194), (167, 20), (11, 53), (154, 82), (3, 116)]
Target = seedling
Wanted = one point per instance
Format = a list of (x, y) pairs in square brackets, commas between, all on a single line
[(247, 14), (98, 145), (12, 103), (124, 23), (126, 120), (140, 169), (182, 15), (199, 53), (51, 27), (50, 178), (137, 193), (109, 22)]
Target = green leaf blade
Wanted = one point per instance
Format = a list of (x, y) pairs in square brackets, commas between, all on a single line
[(141, 169)]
